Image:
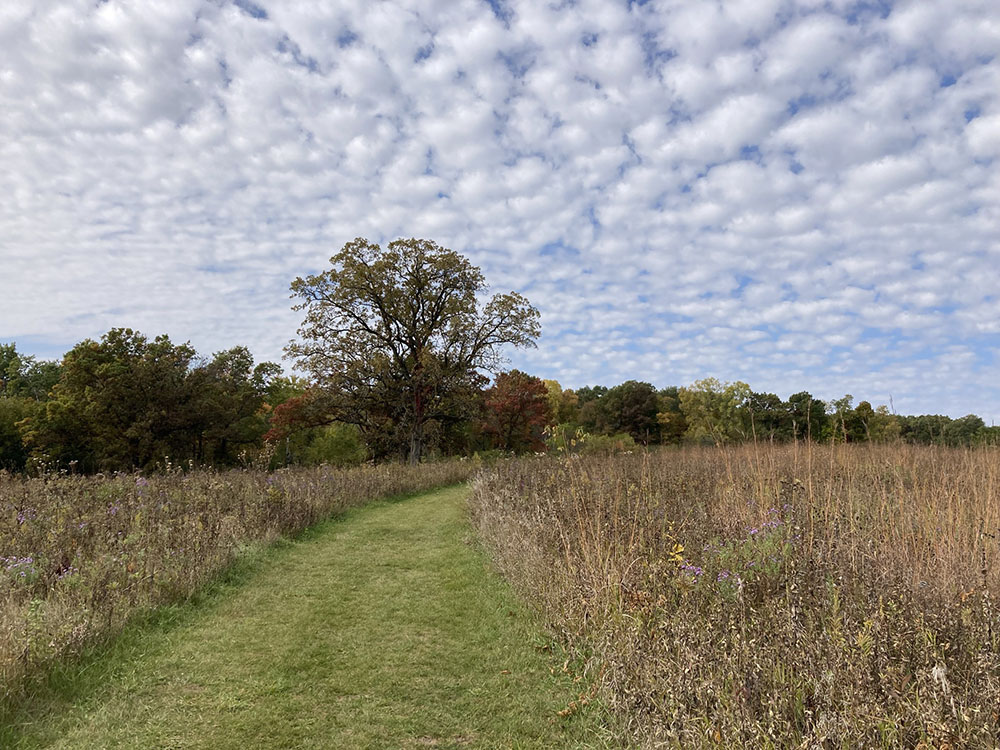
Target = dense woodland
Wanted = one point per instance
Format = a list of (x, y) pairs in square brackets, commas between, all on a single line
[(127, 402)]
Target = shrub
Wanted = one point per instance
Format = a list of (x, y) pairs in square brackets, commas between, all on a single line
[(567, 439)]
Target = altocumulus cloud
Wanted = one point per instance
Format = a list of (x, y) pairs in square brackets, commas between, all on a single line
[(802, 195)]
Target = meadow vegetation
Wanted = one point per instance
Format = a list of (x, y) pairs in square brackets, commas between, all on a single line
[(794, 595), (83, 555)]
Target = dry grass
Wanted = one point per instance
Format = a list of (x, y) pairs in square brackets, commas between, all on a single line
[(759, 596), (82, 555)]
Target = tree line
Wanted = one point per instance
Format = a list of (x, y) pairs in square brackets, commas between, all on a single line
[(396, 346), (711, 412), (127, 402)]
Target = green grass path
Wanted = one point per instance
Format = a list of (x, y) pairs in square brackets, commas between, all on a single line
[(381, 629)]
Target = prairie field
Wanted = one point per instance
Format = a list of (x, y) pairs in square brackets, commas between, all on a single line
[(83, 555), (797, 595)]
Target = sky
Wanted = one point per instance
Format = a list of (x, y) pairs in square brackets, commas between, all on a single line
[(800, 195)]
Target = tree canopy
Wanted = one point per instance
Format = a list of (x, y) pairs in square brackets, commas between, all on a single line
[(23, 376), (398, 337), (716, 412), (517, 412), (630, 408), (126, 402)]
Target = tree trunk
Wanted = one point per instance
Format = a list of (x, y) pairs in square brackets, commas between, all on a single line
[(417, 431), (416, 444)]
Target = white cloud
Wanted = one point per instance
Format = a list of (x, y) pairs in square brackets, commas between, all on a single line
[(802, 195)]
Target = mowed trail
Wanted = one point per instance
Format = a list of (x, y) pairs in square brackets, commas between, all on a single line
[(381, 629)]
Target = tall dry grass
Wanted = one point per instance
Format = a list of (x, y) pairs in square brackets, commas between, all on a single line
[(768, 596), (79, 556)]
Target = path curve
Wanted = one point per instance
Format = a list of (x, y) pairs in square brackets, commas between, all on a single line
[(381, 629)]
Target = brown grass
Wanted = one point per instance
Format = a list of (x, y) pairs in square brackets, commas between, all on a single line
[(80, 556), (768, 596)]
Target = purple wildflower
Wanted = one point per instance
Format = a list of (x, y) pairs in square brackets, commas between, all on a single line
[(690, 569), (20, 567)]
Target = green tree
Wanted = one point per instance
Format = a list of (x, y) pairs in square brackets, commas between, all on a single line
[(964, 430), (224, 408), (673, 425), (23, 376), (769, 417), (397, 337), (884, 427), (842, 426), (13, 451), (336, 444), (590, 393), (927, 429), (808, 416), (127, 402), (630, 408), (860, 429), (589, 411), (989, 435), (563, 404), (24, 384), (115, 405), (716, 412)]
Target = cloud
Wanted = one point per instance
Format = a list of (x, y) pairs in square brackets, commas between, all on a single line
[(800, 195)]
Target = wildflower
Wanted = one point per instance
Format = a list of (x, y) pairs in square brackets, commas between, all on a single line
[(690, 569), (19, 567)]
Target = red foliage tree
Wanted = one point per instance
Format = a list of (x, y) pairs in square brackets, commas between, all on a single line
[(297, 413), (517, 411)]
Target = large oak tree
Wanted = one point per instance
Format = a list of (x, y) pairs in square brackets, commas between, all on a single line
[(397, 338)]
